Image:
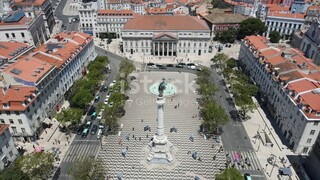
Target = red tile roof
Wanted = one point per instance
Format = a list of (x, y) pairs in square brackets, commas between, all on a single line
[(15, 96), (286, 15), (277, 7), (3, 128), (11, 49), (28, 2), (166, 23)]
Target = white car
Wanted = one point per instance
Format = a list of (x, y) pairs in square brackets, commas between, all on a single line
[(110, 104), (153, 67), (99, 133), (192, 67), (111, 85), (114, 81), (99, 117), (108, 95), (106, 101)]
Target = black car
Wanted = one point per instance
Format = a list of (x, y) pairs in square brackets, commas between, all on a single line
[(150, 64), (104, 88), (92, 110), (182, 64), (179, 66), (94, 129), (235, 115), (190, 64), (162, 67), (159, 65), (80, 129), (170, 65)]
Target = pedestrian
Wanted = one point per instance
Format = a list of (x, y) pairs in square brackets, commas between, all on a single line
[(141, 120), (127, 148), (135, 138), (214, 157), (212, 146), (33, 146), (58, 141), (132, 135), (45, 131), (147, 136), (139, 138), (132, 128), (178, 104)]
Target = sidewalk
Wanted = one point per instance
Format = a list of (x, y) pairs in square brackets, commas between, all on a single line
[(204, 60), (263, 147), (51, 140)]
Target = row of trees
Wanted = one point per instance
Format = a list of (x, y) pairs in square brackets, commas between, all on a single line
[(30, 166), (82, 92), (250, 26), (241, 87), (118, 98), (212, 113)]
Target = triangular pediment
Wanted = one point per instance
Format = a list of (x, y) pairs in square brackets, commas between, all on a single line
[(165, 36)]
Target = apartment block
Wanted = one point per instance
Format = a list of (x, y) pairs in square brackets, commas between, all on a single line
[(290, 86), (34, 85), (8, 151)]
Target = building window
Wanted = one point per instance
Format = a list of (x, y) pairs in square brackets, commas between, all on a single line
[(7, 35), (1, 152), (10, 153), (20, 121), (2, 121), (8, 112), (14, 129), (13, 35), (315, 123), (17, 112), (309, 140), (305, 150), (11, 121), (23, 130), (312, 132), (3, 136), (22, 35), (7, 145)]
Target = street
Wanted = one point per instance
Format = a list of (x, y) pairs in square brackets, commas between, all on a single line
[(89, 146)]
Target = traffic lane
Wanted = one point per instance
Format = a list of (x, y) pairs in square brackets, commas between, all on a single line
[(236, 137)]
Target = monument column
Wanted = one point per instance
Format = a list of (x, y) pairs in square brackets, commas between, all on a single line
[(168, 45), (160, 130), (163, 49), (158, 48)]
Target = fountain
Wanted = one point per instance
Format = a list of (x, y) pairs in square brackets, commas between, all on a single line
[(169, 90)]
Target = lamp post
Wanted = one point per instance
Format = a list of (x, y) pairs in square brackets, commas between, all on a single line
[(274, 162)]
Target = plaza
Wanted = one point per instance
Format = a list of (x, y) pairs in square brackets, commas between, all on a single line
[(181, 113)]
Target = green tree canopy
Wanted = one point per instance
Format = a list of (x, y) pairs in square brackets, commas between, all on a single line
[(251, 26), (36, 165), (88, 169), (274, 36), (82, 98), (213, 115), (13, 173), (71, 115), (220, 58), (229, 174), (227, 36)]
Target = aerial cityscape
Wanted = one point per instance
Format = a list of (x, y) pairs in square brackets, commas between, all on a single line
[(159, 89)]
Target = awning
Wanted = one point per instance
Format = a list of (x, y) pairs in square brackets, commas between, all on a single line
[(286, 171)]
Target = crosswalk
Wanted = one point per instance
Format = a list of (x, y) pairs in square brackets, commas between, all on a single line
[(80, 151), (240, 164)]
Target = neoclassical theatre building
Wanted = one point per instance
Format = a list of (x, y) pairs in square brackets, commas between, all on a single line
[(166, 36)]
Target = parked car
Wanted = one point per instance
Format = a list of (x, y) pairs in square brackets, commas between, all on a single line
[(111, 104), (100, 114), (182, 64), (101, 125), (104, 88), (91, 110), (179, 66), (170, 65), (150, 64), (153, 67), (108, 95), (192, 67), (114, 81), (162, 67), (94, 129), (106, 101), (96, 99)]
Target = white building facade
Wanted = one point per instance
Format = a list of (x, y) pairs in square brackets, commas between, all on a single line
[(310, 43), (286, 84), (8, 151), (28, 27), (166, 36), (112, 21), (88, 17), (285, 23), (41, 79)]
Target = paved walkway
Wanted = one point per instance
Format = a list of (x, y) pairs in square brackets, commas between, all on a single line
[(139, 57), (71, 8), (141, 112), (52, 140), (260, 123)]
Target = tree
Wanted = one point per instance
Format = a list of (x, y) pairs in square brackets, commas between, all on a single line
[(227, 36), (36, 165), (13, 173), (213, 115), (82, 98), (274, 36), (220, 59), (220, 4), (72, 115), (251, 26), (207, 90), (229, 174), (87, 169)]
